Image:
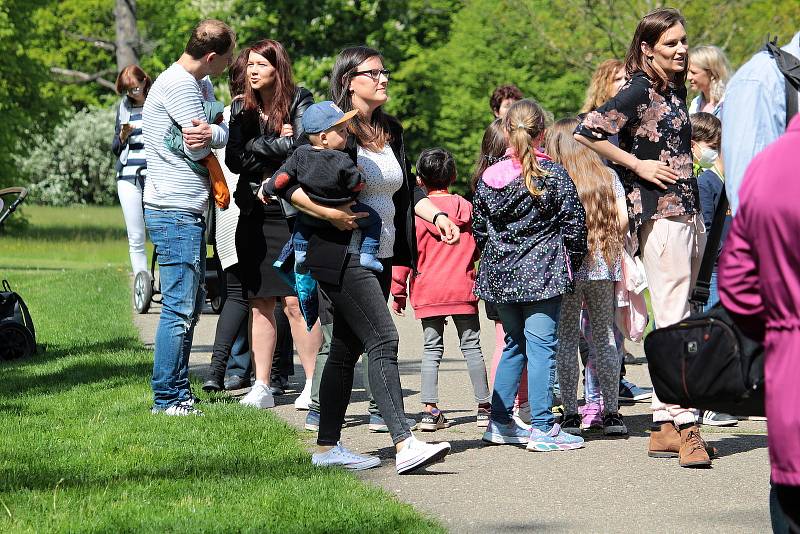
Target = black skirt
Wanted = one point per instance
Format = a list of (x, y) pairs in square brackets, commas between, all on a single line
[(260, 236)]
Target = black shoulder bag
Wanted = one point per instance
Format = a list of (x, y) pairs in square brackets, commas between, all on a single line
[(706, 361)]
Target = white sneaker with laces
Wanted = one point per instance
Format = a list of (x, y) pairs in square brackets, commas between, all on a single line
[(417, 454), (259, 396), (180, 409), (339, 456), (303, 401)]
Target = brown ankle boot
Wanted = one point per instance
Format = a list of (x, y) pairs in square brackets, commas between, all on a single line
[(693, 449), (665, 441)]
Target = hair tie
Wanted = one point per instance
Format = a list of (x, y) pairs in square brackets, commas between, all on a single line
[(521, 126)]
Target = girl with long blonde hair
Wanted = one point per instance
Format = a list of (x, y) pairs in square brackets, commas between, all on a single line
[(603, 199), (529, 224)]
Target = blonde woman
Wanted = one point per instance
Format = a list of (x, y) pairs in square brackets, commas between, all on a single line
[(709, 72), (607, 80)]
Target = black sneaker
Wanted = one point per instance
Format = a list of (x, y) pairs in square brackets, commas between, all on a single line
[(571, 424), (613, 425), (483, 416), (213, 384), (433, 420), (234, 382)]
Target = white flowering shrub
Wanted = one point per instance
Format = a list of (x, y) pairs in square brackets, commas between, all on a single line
[(74, 164)]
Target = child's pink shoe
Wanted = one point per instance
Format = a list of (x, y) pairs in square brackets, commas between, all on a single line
[(591, 415)]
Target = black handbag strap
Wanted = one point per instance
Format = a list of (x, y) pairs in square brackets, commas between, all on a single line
[(702, 287), (789, 66)]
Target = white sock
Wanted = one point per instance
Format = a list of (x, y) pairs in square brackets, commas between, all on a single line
[(307, 387)]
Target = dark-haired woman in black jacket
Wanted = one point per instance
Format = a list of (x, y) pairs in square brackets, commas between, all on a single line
[(362, 321), (264, 127)]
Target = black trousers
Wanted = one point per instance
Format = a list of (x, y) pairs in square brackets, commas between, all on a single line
[(232, 318), (361, 322)]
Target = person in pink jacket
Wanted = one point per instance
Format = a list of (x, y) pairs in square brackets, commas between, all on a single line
[(442, 288), (759, 284)]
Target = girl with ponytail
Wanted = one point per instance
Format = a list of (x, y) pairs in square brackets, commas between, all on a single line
[(530, 226)]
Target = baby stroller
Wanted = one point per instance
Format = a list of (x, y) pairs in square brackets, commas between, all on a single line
[(147, 289), (17, 333)]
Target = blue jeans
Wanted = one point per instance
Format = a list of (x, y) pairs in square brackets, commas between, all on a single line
[(179, 239), (532, 338), (713, 296), (370, 232)]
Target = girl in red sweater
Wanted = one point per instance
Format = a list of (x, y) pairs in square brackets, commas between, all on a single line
[(442, 288)]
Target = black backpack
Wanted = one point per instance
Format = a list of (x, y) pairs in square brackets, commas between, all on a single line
[(706, 361), (17, 333), (789, 66)]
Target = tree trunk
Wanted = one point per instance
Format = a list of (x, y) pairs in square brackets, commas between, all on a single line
[(127, 36)]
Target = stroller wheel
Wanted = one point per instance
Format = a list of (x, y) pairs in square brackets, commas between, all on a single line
[(216, 304), (16, 341), (142, 291)]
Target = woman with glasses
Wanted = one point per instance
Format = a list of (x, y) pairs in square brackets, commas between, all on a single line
[(128, 145), (361, 320)]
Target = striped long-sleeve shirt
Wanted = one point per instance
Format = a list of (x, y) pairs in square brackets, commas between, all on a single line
[(176, 96)]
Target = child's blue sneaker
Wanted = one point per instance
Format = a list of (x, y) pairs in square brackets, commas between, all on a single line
[(501, 434), (312, 421), (555, 440), (369, 261)]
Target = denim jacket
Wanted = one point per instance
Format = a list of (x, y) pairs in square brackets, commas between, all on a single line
[(530, 244)]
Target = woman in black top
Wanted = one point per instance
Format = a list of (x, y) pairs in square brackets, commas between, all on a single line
[(361, 318), (654, 162), (264, 127)]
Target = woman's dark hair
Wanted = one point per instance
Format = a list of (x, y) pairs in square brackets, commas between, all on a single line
[(706, 128), (208, 36), (237, 73), (131, 76), (277, 109), (493, 147), (377, 133), (650, 29), (436, 168), (504, 92)]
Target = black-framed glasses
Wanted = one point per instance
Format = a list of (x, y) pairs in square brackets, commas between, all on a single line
[(375, 74)]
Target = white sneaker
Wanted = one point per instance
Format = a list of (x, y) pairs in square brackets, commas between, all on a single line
[(522, 415), (303, 402), (179, 410), (338, 456), (259, 397), (417, 454)]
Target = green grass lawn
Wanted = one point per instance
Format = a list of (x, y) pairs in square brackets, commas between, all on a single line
[(79, 450)]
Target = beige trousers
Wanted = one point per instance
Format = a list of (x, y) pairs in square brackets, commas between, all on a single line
[(672, 250)]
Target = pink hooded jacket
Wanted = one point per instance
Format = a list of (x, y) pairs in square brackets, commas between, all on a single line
[(446, 277), (759, 282)]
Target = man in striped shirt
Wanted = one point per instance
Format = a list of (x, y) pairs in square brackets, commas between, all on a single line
[(175, 201)]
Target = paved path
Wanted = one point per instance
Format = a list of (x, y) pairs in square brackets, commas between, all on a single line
[(609, 486)]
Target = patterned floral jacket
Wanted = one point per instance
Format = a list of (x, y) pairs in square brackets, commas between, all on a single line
[(530, 245), (651, 125)]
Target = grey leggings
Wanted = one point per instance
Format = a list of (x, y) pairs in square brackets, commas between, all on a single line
[(469, 333), (599, 297)]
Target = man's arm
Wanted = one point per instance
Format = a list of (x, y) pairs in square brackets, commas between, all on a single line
[(753, 116), (185, 107)]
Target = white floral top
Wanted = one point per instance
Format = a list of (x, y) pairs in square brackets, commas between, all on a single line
[(383, 177)]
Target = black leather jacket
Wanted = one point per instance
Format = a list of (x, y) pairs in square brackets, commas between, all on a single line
[(253, 153)]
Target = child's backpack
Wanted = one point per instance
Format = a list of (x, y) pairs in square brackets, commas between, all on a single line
[(17, 333)]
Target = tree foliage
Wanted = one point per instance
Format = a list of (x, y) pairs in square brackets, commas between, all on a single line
[(446, 56)]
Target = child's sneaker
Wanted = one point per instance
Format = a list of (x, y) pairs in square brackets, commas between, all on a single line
[(572, 424), (369, 261), (312, 421), (417, 454), (591, 415), (554, 440), (613, 425), (433, 420), (510, 433), (522, 414), (483, 416)]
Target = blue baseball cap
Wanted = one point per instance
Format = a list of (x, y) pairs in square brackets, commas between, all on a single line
[(324, 116)]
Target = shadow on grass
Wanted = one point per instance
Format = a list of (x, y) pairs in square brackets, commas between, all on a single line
[(22, 377)]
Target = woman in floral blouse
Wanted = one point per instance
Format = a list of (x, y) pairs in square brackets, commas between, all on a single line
[(654, 161)]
